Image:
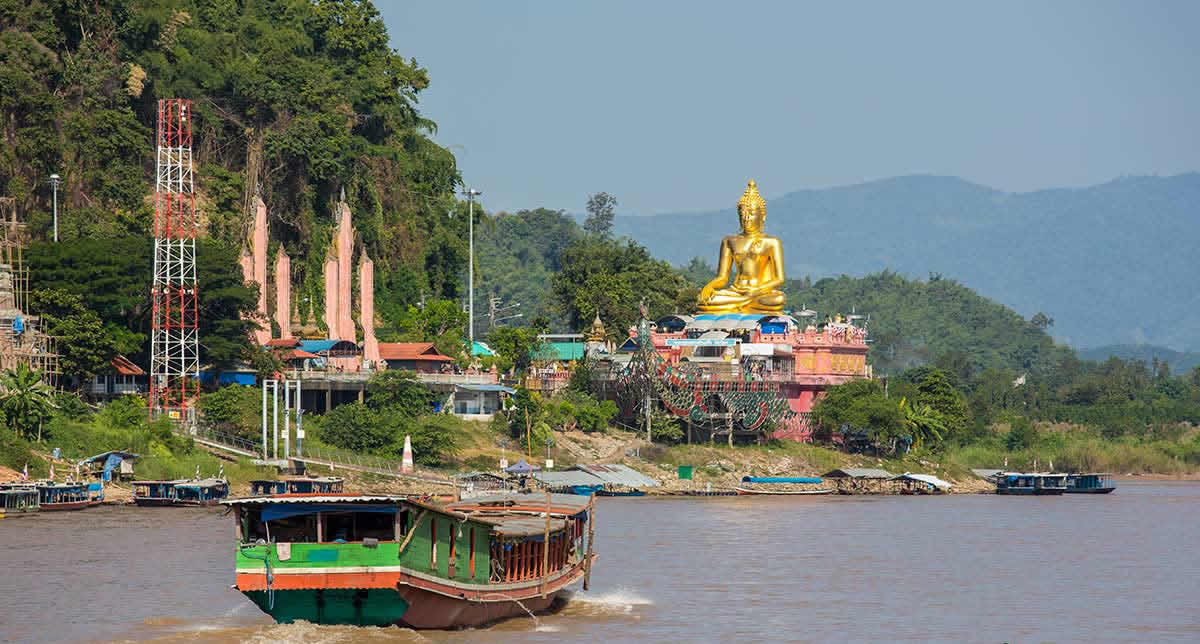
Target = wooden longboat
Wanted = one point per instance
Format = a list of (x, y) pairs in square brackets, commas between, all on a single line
[(748, 491), (297, 485), (18, 500), (1030, 484), (376, 560), (1091, 483), (59, 497), (180, 492)]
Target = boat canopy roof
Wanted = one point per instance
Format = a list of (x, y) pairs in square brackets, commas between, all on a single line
[(316, 499), (858, 473), (924, 478), (520, 526)]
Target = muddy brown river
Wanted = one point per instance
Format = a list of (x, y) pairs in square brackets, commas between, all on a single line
[(980, 568)]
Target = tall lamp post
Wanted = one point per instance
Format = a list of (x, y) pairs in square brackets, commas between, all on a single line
[(54, 181), (471, 194)]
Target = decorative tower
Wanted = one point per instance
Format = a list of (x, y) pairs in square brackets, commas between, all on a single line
[(174, 342)]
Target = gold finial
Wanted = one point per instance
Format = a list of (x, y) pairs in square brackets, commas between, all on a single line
[(751, 200)]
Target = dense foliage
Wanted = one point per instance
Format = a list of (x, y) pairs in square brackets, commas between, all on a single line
[(292, 100)]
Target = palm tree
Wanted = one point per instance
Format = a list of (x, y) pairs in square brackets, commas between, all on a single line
[(925, 422), (25, 400)]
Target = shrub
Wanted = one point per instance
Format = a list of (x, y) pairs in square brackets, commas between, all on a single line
[(355, 426)]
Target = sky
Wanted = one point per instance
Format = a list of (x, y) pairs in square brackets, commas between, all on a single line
[(671, 106)]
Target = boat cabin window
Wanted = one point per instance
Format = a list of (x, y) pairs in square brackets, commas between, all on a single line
[(314, 527)]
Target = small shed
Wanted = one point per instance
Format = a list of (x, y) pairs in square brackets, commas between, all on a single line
[(859, 480), (103, 465), (921, 484)]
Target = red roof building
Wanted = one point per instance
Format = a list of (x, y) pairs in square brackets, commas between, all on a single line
[(421, 357)]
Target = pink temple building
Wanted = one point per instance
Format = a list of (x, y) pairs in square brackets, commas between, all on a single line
[(776, 353)]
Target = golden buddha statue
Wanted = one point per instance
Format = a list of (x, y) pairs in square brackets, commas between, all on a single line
[(758, 260)]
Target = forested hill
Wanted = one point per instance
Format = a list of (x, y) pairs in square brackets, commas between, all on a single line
[(292, 100), (1109, 264)]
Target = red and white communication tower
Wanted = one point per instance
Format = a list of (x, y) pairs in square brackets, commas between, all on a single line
[(175, 347)]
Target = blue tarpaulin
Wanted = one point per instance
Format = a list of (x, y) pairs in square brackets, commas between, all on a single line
[(284, 510), (112, 462)]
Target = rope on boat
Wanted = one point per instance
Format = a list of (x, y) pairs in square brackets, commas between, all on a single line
[(266, 559)]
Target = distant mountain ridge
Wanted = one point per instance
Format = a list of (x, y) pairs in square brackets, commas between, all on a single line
[(1111, 263), (1180, 362)]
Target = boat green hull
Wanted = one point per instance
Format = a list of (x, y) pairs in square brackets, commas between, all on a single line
[(358, 607)]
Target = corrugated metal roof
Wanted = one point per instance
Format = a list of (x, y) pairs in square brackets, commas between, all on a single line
[(858, 473), (572, 503), (522, 526), (619, 475), (321, 498), (569, 477), (924, 478)]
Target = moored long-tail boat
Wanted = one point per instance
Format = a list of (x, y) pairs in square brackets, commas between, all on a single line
[(791, 485), (748, 491), (57, 497), (18, 500), (180, 492), (1090, 483), (376, 560)]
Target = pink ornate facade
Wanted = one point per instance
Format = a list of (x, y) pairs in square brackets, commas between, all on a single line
[(338, 281), (801, 363)]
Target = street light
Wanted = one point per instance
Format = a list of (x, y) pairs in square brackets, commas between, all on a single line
[(54, 181), (471, 194)]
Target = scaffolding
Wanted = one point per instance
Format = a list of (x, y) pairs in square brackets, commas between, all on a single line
[(21, 342), (174, 341)]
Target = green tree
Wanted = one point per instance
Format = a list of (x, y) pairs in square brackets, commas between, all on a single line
[(357, 427), (859, 404), (433, 439), (935, 391), (25, 400), (611, 277), (83, 344), (515, 345), (399, 390), (234, 409), (600, 209), (924, 423), (1021, 434)]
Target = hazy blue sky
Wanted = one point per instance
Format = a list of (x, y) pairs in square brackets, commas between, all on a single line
[(671, 106)]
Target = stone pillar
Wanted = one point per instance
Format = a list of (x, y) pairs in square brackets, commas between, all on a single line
[(258, 242), (366, 311), (345, 251), (331, 298), (283, 293)]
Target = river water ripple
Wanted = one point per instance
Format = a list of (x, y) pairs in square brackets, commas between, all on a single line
[(1121, 567)]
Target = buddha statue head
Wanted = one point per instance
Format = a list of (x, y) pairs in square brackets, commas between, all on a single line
[(752, 209)]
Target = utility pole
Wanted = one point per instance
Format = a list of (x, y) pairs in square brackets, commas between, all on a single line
[(494, 308), (54, 181), (471, 194)]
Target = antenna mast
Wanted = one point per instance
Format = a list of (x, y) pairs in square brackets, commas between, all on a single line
[(174, 344)]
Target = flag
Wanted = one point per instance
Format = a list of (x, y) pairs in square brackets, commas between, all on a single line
[(221, 471), (197, 472), (52, 471), (25, 473)]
